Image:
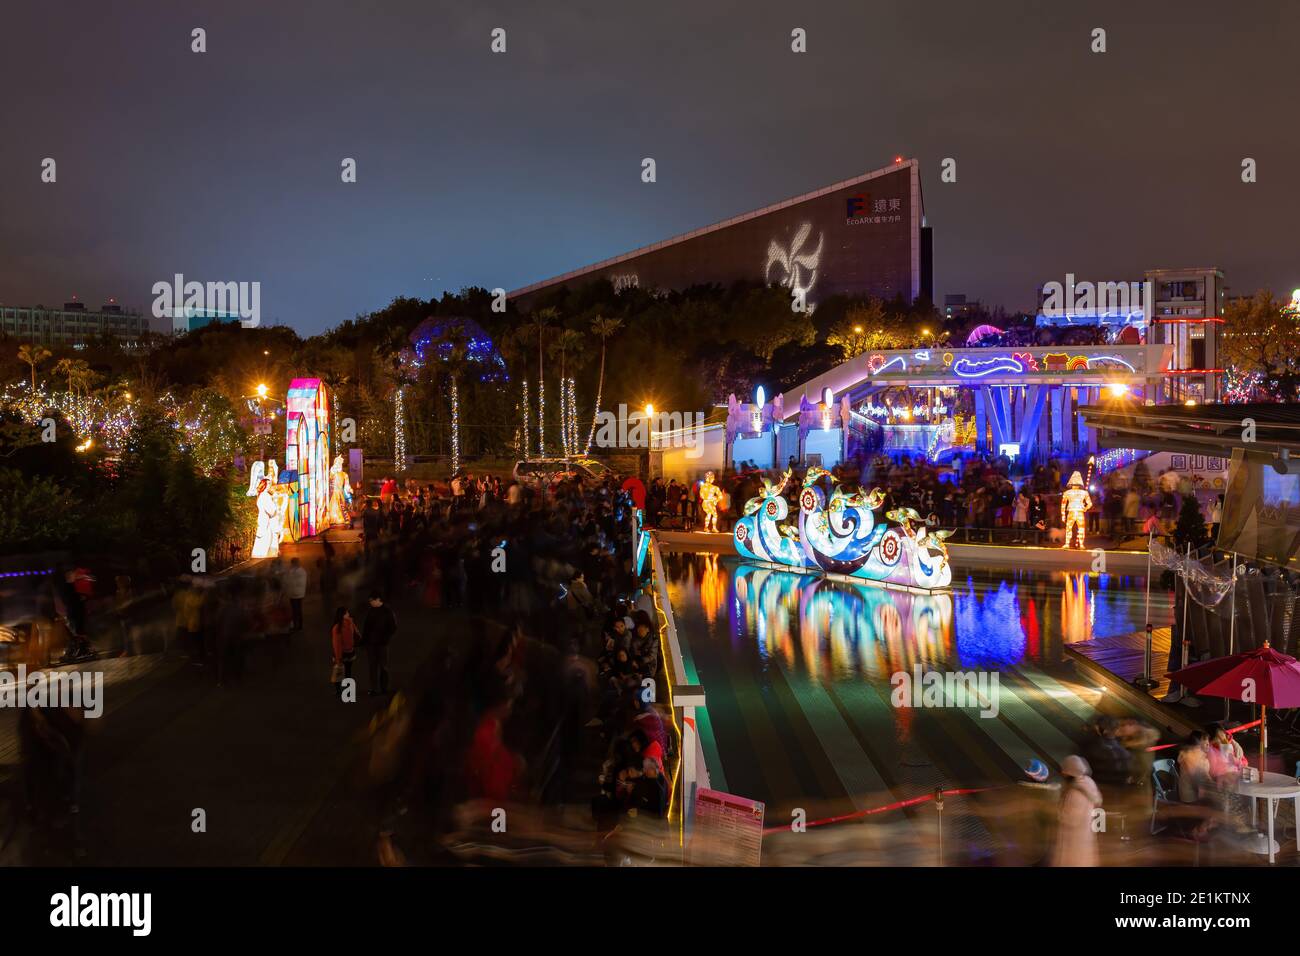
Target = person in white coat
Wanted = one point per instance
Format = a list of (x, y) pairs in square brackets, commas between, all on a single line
[(1076, 833)]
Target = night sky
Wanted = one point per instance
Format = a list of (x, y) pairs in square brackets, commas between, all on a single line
[(499, 170)]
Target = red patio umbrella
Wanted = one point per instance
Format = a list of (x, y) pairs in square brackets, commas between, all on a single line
[(1274, 679)]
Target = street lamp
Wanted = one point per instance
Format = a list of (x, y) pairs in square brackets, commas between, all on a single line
[(255, 406)]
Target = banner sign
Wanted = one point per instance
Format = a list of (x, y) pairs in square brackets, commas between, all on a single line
[(1261, 511)]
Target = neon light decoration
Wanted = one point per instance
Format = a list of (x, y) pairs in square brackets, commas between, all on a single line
[(844, 535), (969, 368), (1093, 362), (981, 332), (877, 364), (307, 451)]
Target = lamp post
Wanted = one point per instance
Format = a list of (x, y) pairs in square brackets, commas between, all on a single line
[(255, 405)]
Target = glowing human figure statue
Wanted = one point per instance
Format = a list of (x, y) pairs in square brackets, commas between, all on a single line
[(710, 495), (1075, 502), (267, 543), (340, 494)]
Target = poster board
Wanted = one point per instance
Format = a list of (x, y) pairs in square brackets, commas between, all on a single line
[(728, 830)]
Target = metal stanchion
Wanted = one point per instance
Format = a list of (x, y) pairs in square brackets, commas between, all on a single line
[(938, 805), (1144, 680)]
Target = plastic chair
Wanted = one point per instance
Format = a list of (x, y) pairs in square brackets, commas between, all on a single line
[(1164, 789)]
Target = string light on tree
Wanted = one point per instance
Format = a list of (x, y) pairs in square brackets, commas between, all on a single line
[(528, 441), (541, 418), (591, 433), (571, 439), (455, 427), (399, 430), (564, 416)]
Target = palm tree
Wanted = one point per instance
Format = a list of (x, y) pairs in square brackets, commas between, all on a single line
[(456, 356), (84, 378), (603, 328), (33, 355), (567, 341), (77, 372)]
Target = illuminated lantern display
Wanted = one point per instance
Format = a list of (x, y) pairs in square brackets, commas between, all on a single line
[(710, 495), (340, 511), (307, 451), (1075, 502), (298, 500), (844, 535), (266, 544)]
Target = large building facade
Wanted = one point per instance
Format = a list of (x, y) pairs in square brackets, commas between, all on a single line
[(860, 237), (73, 324)]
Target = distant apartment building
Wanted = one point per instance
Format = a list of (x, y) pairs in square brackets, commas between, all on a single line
[(1187, 313), (73, 324), (957, 306), (1178, 307), (191, 319)]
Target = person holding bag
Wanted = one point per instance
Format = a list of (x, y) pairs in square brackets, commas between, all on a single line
[(343, 637)]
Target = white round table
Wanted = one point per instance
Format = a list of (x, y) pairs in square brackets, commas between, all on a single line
[(1272, 788)]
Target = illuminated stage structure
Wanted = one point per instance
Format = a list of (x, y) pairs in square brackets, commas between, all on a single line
[(1022, 402), (844, 536), (295, 502)]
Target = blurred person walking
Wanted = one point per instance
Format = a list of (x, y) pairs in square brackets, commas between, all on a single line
[(328, 582), (343, 646), (372, 520), (295, 589), (376, 635), (1076, 833)]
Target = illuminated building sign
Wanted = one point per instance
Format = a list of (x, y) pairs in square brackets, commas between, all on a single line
[(862, 209)]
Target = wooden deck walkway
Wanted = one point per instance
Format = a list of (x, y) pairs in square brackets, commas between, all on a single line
[(1122, 655)]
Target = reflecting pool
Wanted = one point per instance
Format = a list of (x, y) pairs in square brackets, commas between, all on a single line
[(797, 674)]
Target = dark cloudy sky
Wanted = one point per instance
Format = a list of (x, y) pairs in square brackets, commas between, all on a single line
[(498, 170)]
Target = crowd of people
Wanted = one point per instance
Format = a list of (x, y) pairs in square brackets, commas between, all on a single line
[(1116, 776), (974, 492), (558, 669)]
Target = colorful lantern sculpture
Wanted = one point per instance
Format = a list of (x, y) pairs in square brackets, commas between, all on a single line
[(297, 501), (1075, 502), (843, 535), (269, 521), (340, 510), (307, 451), (710, 495)]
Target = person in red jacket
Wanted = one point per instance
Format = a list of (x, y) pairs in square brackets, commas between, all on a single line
[(343, 638), (492, 769)]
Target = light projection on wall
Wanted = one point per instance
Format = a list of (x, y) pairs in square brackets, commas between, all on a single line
[(845, 535), (795, 266)]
